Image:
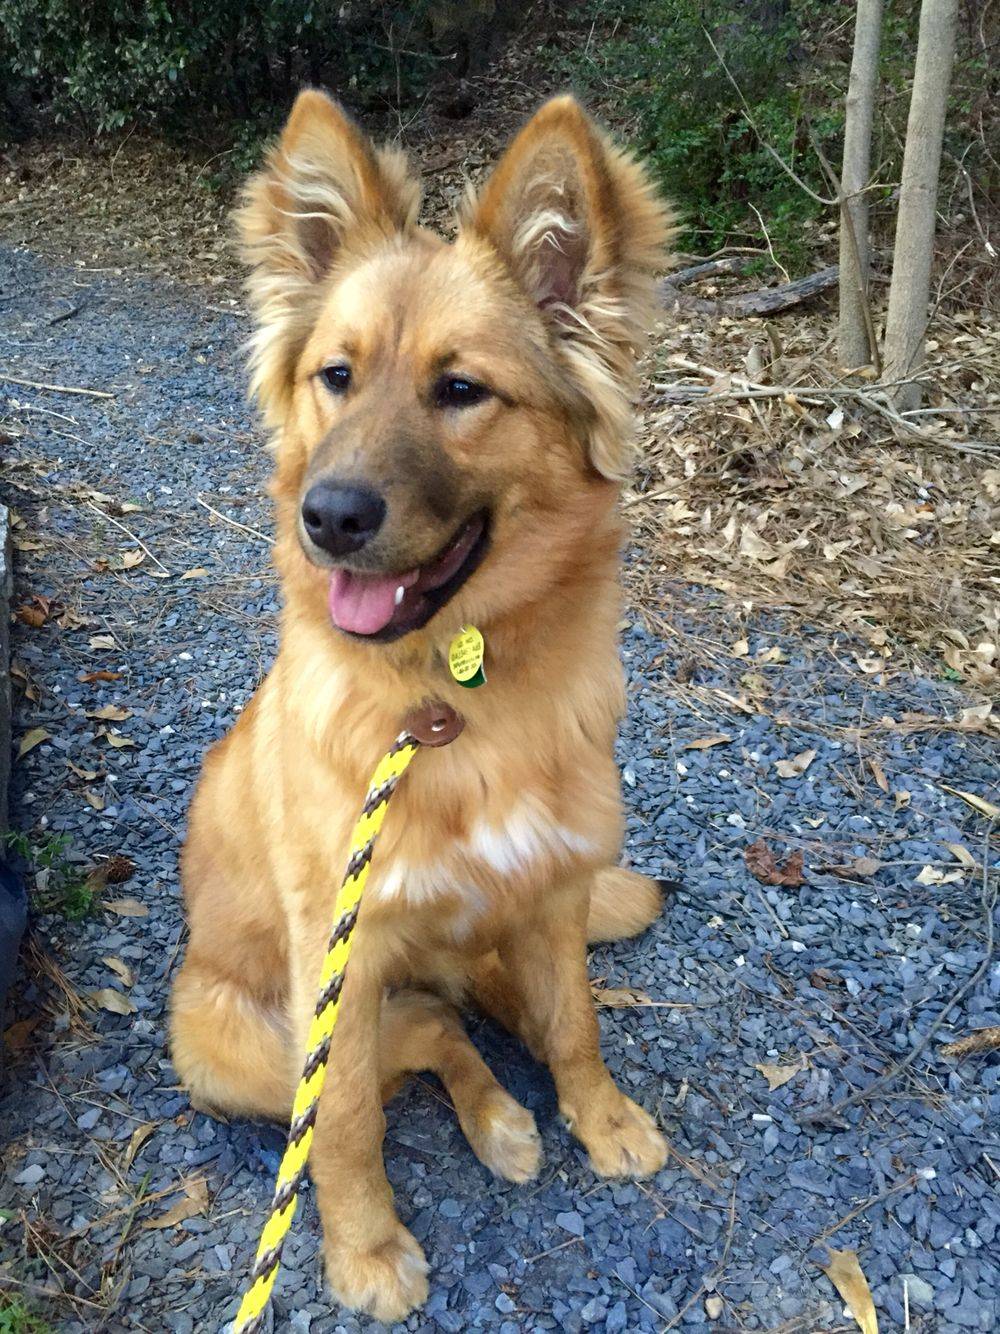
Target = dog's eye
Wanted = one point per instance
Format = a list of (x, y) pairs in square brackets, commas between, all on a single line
[(455, 391), (337, 378)]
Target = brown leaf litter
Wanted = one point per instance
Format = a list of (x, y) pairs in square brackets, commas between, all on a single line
[(764, 866)]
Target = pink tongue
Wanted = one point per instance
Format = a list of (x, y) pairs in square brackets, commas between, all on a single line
[(364, 603)]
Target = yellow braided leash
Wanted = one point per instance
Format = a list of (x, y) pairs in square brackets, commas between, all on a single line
[(391, 767)]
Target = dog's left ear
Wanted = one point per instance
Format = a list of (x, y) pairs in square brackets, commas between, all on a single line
[(581, 229)]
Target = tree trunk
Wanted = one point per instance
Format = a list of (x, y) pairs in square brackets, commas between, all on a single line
[(909, 292), (853, 345)]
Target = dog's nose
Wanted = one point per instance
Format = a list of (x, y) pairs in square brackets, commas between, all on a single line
[(341, 519)]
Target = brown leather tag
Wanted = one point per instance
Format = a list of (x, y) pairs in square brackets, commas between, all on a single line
[(434, 723)]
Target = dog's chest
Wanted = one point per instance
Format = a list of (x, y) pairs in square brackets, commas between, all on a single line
[(472, 874)]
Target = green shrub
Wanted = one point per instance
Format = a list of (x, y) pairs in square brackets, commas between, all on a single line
[(59, 885), (108, 63), (657, 64), (16, 1318), (653, 62)]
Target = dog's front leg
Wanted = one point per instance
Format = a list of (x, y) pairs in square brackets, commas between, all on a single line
[(539, 986), (373, 1263)]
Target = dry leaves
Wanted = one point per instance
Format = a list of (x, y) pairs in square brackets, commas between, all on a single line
[(17, 1035), (858, 868), (194, 1201), (620, 998), (109, 999), (707, 742), (796, 766), (962, 855), (844, 1272), (136, 1140), (32, 739), (777, 1076), (930, 875), (117, 740), (977, 803), (121, 968), (112, 713), (764, 866), (126, 907), (36, 611)]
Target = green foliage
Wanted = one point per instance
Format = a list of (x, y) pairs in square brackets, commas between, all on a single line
[(711, 86), (16, 1318), (108, 63), (59, 886), (660, 63)]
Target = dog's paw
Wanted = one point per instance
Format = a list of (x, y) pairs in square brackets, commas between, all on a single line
[(622, 1139), (504, 1137), (387, 1281)]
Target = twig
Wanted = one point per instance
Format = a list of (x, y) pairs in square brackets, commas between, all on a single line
[(989, 899), (827, 203), (54, 388), (711, 1280), (984, 1039), (813, 395), (128, 533), (908, 1184), (68, 314), (530, 1259), (234, 523), (770, 248)]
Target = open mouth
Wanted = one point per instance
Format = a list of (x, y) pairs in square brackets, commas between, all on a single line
[(383, 607)]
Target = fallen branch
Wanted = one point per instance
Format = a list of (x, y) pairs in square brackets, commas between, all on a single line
[(54, 388), (765, 301), (234, 523), (797, 396), (128, 533), (985, 1039), (709, 268)]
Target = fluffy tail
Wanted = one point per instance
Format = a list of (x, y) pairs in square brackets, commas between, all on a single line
[(622, 903)]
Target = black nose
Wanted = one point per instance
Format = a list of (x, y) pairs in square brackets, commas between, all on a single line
[(341, 519)]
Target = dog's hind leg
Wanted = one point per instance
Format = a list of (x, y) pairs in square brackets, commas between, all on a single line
[(231, 1045), (622, 903), (420, 1031)]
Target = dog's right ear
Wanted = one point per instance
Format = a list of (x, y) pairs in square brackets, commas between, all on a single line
[(323, 188)]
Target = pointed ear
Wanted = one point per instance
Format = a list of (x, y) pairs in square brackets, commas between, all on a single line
[(323, 186), (580, 228)]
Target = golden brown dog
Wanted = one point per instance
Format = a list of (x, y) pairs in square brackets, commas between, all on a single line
[(450, 424)]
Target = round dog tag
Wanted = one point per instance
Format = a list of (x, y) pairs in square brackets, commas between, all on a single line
[(465, 657)]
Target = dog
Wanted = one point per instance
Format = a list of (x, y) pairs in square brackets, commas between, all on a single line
[(451, 423)]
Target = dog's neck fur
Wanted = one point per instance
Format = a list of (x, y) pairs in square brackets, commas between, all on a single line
[(549, 660)]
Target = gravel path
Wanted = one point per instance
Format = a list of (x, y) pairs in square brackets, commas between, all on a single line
[(837, 979)]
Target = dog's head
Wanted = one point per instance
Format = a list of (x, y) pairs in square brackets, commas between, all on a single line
[(450, 419)]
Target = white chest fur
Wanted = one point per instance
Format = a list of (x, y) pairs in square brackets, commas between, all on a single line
[(527, 836)]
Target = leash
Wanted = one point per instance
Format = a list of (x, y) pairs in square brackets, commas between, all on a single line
[(433, 725)]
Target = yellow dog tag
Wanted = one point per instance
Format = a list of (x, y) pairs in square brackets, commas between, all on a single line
[(465, 657)]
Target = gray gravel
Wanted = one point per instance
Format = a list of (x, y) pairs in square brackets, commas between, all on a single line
[(841, 976)]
